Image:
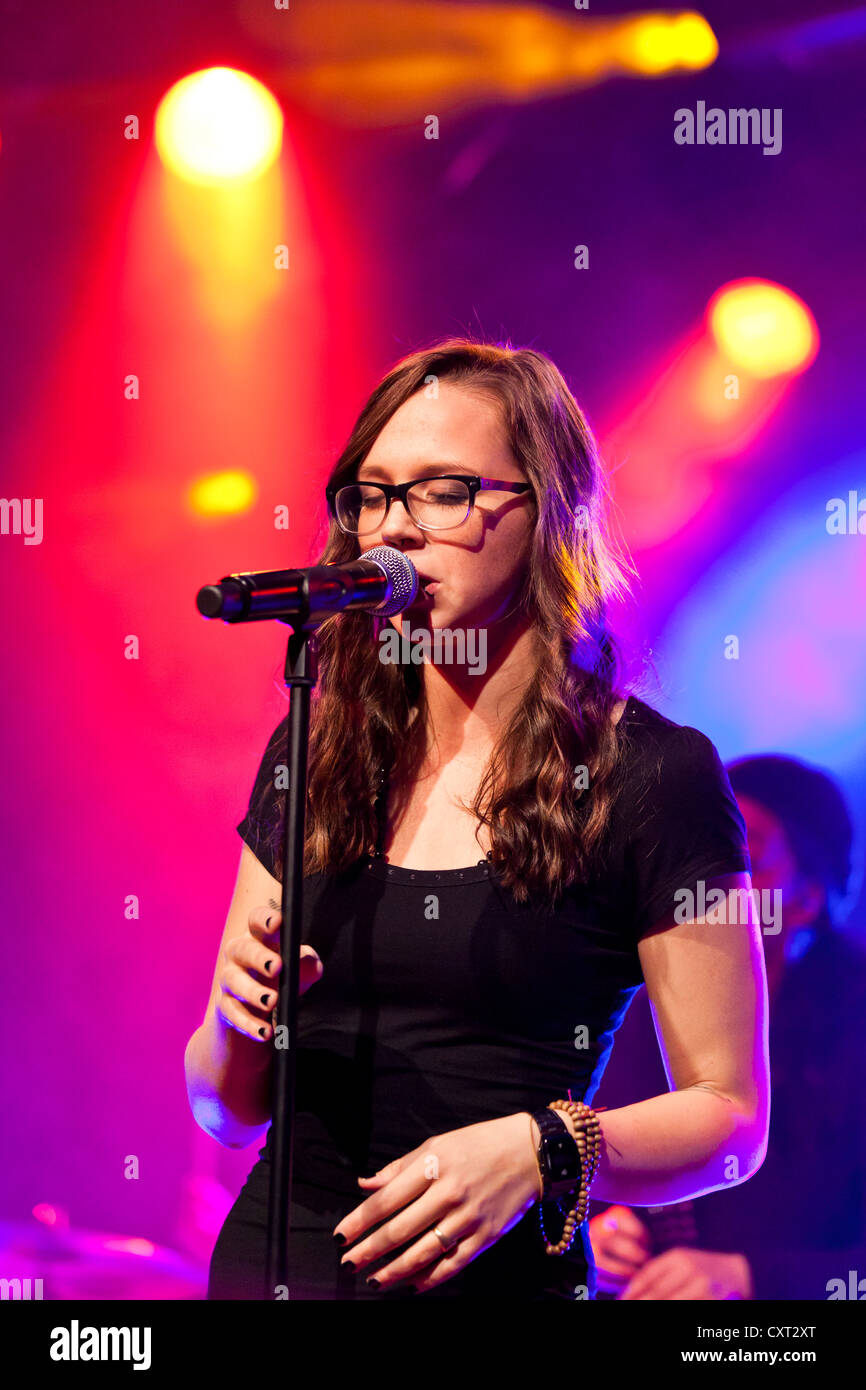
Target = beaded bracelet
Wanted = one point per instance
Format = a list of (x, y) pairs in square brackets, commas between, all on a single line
[(588, 1140)]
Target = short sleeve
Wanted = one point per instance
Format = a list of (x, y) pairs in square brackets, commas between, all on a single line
[(685, 826), (260, 827)]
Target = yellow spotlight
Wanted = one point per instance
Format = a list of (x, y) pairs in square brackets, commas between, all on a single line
[(223, 494), (763, 328), (660, 43), (217, 126)]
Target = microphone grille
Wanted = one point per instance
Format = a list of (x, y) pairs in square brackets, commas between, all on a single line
[(401, 574)]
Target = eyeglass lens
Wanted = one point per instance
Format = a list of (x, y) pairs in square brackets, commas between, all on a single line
[(435, 503)]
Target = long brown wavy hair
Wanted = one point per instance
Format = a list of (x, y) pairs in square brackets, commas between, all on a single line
[(544, 830)]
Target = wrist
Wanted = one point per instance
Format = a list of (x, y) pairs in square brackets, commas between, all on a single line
[(568, 1121), (535, 1170)]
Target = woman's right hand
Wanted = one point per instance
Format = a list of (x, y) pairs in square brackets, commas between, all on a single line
[(248, 983)]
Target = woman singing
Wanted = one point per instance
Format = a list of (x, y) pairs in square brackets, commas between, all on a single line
[(500, 849)]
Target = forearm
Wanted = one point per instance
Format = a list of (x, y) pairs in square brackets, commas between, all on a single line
[(674, 1146), (228, 1081)]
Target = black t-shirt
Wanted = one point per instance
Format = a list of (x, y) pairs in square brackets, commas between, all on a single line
[(443, 1002)]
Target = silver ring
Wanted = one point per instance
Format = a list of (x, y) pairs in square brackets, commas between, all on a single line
[(443, 1241)]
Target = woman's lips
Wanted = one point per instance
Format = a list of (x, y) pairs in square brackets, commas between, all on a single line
[(426, 588)]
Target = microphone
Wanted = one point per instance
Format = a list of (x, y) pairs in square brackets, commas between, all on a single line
[(384, 581)]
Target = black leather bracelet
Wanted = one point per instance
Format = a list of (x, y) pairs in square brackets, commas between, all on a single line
[(558, 1155)]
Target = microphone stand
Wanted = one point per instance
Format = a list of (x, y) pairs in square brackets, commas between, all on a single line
[(311, 596), (300, 676)]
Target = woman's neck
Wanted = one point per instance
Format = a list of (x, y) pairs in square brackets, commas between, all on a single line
[(467, 711)]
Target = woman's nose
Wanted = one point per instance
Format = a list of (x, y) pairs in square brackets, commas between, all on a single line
[(398, 524)]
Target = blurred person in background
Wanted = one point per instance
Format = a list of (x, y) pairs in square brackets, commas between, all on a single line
[(797, 1229)]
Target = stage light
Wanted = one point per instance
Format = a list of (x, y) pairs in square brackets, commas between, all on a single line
[(359, 61), (763, 328), (129, 1245), (218, 126), (661, 43), (49, 1215), (720, 385), (223, 494)]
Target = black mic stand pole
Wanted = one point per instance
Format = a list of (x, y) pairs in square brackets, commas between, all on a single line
[(300, 676)]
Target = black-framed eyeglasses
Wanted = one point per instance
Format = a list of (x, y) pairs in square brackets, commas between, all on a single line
[(434, 504)]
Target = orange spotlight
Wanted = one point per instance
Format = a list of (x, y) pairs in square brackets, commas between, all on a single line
[(675, 451), (763, 328), (373, 63), (223, 494), (218, 126), (664, 42)]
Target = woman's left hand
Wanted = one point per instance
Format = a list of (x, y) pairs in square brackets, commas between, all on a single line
[(474, 1183)]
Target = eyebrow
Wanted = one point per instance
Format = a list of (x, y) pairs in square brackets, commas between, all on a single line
[(429, 470)]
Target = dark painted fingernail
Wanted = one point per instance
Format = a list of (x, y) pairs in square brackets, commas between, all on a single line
[(347, 1264), (268, 964), (261, 1032), (340, 1238), (265, 998), (374, 1283), (267, 921)]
